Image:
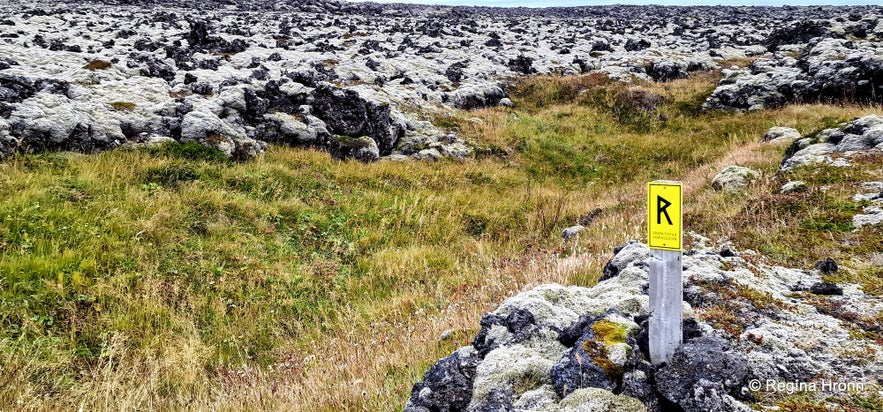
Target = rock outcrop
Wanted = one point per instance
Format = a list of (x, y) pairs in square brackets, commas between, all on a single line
[(94, 75), (859, 135), (557, 348), (825, 70)]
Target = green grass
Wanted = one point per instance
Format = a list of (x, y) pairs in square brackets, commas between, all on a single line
[(171, 278), (799, 229), (122, 106)]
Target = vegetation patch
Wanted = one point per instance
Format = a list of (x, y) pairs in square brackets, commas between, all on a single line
[(192, 151), (122, 106), (98, 65), (353, 142), (610, 332), (731, 305), (204, 276), (598, 352), (170, 174)]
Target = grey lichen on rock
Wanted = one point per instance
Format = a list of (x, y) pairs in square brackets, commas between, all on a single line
[(859, 135), (734, 179), (599, 400), (781, 134), (570, 348)]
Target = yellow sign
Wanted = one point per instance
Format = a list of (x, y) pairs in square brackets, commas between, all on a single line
[(665, 215)]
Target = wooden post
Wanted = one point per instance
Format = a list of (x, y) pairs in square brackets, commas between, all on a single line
[(666, 295)]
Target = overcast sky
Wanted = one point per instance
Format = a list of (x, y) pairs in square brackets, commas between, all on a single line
[(554, 3)]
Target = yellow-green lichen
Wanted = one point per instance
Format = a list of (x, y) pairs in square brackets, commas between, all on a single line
[(598, 352), (122, 106), (607, 334), (610, 332)]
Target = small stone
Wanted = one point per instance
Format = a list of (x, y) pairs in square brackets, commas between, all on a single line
[(156, 141), (825, 288), (827, 266), (878, 186), (395, 158), (872, 216), (781, 135), (428, 154), (734, 179), (446, 335), (572, 231), (727, 252), (795, 186)]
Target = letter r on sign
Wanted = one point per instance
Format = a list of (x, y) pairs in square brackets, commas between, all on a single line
[(661, 206)]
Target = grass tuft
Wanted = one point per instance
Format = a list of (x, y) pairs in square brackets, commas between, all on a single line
[(98, 65), (191, 151)]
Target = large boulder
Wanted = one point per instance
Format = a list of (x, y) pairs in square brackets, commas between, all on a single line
[(861, 134), (557, 348), (49, 121), (347, 114), (705, 375), (828, 69)]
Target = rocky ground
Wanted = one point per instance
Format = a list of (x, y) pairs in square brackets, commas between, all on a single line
[(364, 81), (360, 80), (749, 327)]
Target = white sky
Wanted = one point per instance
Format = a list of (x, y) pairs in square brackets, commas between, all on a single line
[(555, 3)]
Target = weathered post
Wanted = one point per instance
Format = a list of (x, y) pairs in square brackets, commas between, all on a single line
[(665, 238)]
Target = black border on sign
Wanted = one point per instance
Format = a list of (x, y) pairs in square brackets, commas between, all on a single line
[(680, 187)]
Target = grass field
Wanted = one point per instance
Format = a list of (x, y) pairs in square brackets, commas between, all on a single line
[(173, 279)]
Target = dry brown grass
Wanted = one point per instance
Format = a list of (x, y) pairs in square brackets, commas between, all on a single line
[(364, 351), (98, 65)]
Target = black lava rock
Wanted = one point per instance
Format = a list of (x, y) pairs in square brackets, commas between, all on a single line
[(727, 252), (154, 67), (800, 32), (454, 72), (14, 89), (481, 342), (826, 288), (522, 64), (198, 35), (635, 45), (700, 373), (347, 114), (827, 266), (447, 386), (201, 88), (569, 336)]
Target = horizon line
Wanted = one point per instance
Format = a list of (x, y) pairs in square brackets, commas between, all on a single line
[(512, 4)]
